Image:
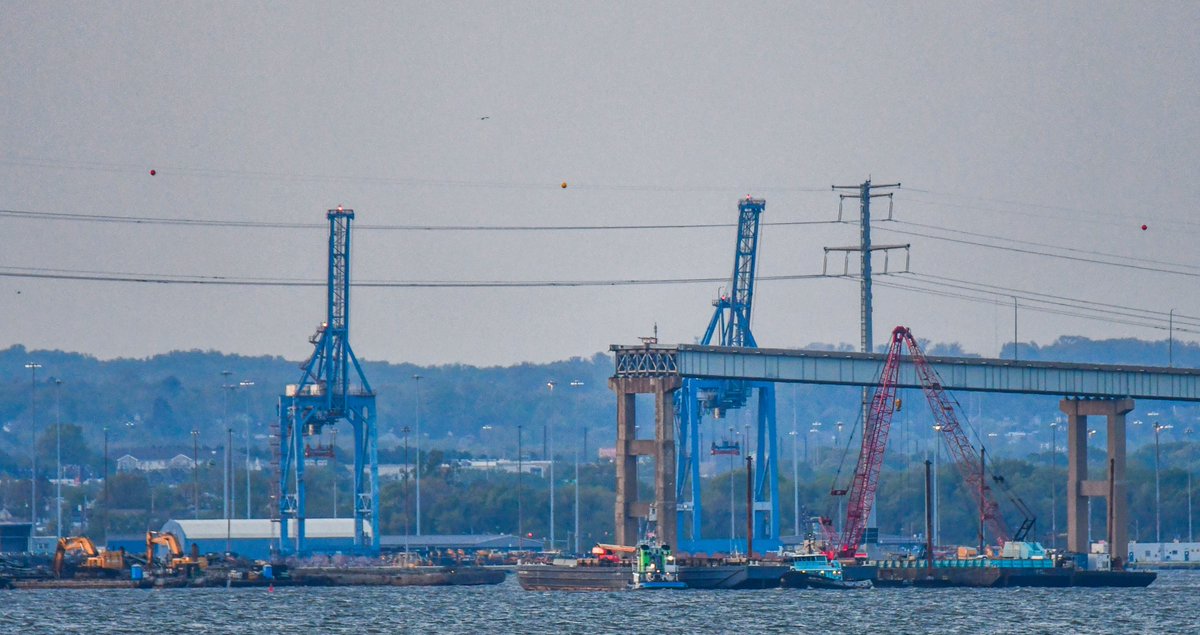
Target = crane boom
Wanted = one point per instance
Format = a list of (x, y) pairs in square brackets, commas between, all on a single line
[(870, 456), (966, 458), (744, 264), (875, 434), (730, 322)]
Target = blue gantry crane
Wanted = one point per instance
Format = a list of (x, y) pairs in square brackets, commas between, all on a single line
[(730, 326), (324, 396)]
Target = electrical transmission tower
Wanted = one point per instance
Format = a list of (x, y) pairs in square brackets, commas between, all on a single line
[(865, 192)]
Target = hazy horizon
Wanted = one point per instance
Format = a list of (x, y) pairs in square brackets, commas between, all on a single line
[(1033, 142)]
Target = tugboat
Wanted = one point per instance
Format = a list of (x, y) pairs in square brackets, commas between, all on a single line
[(818, 571), (654, 568), (611, 568)]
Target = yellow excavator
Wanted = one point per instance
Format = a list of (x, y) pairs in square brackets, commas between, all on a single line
[(176, 561), (95, 561)]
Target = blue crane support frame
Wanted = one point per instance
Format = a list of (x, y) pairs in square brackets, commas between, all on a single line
[(730, 326), (324, 396)]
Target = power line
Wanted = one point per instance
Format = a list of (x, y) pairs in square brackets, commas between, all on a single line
[(1040, 206), (98, 276), (164, 171), (1042, 253), (1047, 245), (199, 222), (1054, 298), (1102, 316)]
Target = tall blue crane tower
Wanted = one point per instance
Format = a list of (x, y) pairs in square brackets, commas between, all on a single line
[(730, 324), (325, 396)]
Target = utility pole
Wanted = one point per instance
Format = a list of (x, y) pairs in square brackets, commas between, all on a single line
[(865, 249)]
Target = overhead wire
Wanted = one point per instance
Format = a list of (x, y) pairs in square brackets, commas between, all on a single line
[(162, 220), (264, 175), (1026, 204), (1047, 245), (1096, 315), (168, 279), (1055, 298), (976, 243)]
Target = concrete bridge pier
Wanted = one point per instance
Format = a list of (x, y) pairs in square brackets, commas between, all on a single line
[(1113, 488), (662, 447)]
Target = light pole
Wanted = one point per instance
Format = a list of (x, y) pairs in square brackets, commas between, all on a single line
[(1092, 433), (246, 399), (1053, 480), (520, 490), (33, 366), (417, 422), (228, 508), (225, 388), (575, 383), (1158, 427), (405, 431), (106, 475), (732, 518), (58, 456), (550, 455), (937, 453), (1187, 434), (816, 429), (332, 464), (195, 473)]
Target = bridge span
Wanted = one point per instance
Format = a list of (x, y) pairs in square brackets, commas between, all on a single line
[(1085, 390), (1061, 379)]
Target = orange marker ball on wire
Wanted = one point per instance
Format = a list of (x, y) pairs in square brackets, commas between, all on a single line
[(564, 185)]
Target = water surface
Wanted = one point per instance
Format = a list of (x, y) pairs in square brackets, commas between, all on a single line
[(1170, 605)]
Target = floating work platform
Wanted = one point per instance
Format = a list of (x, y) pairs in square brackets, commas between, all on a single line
[(611, 577), (986, 572), (395, 576)]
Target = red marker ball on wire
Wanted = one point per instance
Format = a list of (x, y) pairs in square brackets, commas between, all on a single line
[(153, 172), (1143, 228)]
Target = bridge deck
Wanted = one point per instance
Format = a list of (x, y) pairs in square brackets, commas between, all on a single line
[(1101, 381)]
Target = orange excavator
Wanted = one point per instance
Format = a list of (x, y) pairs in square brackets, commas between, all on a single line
[(108, 563), (175, 561)]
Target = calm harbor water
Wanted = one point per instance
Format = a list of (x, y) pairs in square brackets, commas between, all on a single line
[(1170, 605)]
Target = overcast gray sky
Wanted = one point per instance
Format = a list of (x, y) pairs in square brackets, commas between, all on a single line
[(1066, 125)]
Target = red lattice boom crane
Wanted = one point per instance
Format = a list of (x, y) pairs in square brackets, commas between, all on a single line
[(875, 435)]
